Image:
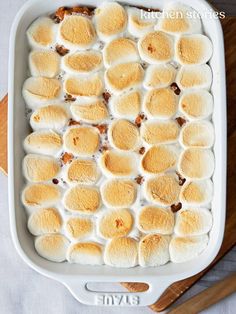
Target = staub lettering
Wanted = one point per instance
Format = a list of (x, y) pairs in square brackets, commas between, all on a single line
[(117, 299)]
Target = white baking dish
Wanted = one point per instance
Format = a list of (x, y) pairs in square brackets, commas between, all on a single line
[(75, 277)]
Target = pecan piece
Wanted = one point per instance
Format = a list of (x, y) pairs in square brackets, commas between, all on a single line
[(101, 127), (69, 97), (73, 122), (142, 150), (104, 148), (181, 121), (140, 118), (106, 96), (139, 179), (175, 88), (181, 179), (62, 11), (67, 157), (61, 50), (176, 207)]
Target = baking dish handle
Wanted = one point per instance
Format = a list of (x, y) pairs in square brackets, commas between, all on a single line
[(80, 291)]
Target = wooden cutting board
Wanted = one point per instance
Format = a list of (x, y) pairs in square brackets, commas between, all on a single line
[(178, 288)]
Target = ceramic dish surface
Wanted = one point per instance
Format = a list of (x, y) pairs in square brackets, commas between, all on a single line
[(124, 164)]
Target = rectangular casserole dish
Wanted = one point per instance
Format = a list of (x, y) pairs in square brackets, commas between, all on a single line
[(75, 277)]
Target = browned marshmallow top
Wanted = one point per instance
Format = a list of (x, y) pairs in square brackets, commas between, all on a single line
[(119, 162)]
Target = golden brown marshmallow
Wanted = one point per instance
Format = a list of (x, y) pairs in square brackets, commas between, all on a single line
[(82, 171), (82, 199), (163, 190), (115, 223), (156, 219), (119, 193), (82, 140), (124, 135), (158, 159)]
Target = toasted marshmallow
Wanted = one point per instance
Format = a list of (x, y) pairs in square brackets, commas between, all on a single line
[(196, 163), (160, 103), (197, 134), (179, 19), (162, 190), (45, 220), (43, 142), (110, 20), (82, 62), (83, 171), (137, 26), (156, 132), (159, 76), (39, 90), (196, 104), (84, 86), (123, 135), (39, 168), (156, 47), (77, 32), (159, 159), (193, 49), (92, 112), (127, 105), (115, 223), (49, 117), (52, 247), (83, 141), (193, 222), (41, 33), (155, 219), (40, 195), (79, 228), (121, 252), (183, 249), (117, 164), (122, 77), (85, 253), (82, 199), (153, 250), (44, 63), (120, 50), (194, 76), (119, 193), (196, 192)]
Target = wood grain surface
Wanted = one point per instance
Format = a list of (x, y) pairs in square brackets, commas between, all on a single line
[(177, 289), (207, 297)]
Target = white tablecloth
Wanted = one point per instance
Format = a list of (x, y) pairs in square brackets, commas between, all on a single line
[(22, 290)]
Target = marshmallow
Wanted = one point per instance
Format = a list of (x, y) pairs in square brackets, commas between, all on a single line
[(121, 252), (45, 220), (183, 249), (118, 193), (52, 247), (44, 63), (153, 250), (85, 253), (40, 90)]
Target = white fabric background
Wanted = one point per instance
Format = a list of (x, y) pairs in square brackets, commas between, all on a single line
[(24, 291)]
